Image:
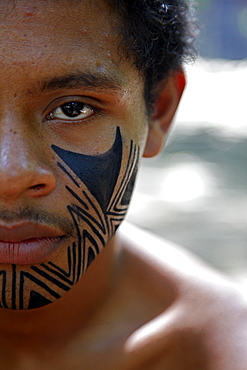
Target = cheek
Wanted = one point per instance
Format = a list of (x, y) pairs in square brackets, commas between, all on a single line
[(99, 189), (98, 174)]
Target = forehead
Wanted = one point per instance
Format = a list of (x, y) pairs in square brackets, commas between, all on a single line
[(57, 15), (72, 18), (56, 33)]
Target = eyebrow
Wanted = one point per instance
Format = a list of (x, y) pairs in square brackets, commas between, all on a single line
[(79, 79)]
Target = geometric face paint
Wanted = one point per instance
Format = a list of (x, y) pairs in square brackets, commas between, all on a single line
[(99, 173), (99, 189)]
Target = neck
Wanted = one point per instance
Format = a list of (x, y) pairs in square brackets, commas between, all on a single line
[(68, 314)]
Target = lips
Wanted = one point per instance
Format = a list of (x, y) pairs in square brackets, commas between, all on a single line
[(28, 242)]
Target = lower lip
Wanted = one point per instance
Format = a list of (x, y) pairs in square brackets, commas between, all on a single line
[(29, 251)]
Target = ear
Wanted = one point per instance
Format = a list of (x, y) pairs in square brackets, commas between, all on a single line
[(165, 108)]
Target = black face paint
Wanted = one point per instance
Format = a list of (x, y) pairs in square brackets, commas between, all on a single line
[(99, 173), (99, 201)]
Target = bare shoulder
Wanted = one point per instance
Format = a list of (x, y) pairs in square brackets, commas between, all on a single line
[(203, 323)]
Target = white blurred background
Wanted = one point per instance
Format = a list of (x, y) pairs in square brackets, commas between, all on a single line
[(194, 193)]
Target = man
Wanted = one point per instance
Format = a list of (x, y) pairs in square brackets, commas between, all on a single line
[(87, 89)]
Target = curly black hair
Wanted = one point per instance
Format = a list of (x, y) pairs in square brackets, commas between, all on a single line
[(157, 37)]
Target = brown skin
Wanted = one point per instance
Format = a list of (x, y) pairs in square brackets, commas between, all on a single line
[(134, 308)]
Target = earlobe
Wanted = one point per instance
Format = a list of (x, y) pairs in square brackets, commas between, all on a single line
[(164, 110)]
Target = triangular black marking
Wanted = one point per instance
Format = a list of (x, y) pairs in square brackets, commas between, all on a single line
[(37, 300), (116, 227), (129, 188), (99, 172), (91, 256)]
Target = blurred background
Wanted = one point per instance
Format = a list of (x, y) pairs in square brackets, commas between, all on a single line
[(194, 193)]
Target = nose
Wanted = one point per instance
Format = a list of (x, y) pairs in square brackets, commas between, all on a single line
[(23, 171)]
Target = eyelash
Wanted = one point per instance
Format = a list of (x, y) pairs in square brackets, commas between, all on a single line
[(76, 107)]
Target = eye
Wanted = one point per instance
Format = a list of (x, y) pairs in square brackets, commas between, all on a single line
[(72, 111)]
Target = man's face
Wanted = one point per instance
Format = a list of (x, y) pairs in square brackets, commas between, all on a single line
[(72, 129)]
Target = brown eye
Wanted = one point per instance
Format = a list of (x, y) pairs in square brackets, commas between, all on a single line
[(71, 111), (74, 109)]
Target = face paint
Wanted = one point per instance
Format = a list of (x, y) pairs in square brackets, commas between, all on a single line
[(100, 188)]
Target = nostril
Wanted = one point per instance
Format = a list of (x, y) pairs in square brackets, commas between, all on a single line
[(41, 188), (27, 180), (38, 187)]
